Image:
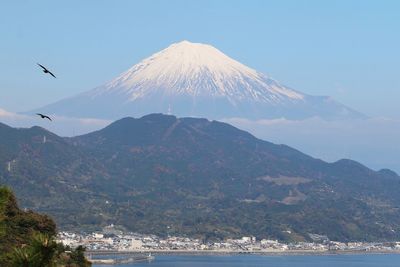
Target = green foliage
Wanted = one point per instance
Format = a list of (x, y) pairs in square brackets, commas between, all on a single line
[(163, 175), (23, 257), (17, 227), (71, 257), (39, 253), (27, 238), (78, 255)]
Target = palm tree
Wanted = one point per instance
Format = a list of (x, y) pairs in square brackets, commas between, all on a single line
[(39, 253), (44, 248), (22, 257)]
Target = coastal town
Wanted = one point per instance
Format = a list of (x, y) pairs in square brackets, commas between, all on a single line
[(113, 240)]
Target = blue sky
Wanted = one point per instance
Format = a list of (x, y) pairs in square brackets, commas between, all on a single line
[(345, 49)]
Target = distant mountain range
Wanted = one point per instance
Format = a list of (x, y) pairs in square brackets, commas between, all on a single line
[(164, 175), (197, 80)]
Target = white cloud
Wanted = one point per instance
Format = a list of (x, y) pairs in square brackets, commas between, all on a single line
[(7, 114), (63, 126)]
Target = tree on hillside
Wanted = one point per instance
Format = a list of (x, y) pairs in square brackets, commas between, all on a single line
[(27, 239)]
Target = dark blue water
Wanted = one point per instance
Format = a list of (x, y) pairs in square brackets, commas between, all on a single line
[(272, 261)]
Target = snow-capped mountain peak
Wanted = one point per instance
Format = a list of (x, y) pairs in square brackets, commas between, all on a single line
[(198, 80), (197, 69)]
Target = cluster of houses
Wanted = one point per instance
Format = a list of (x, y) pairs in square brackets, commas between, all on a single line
[(115, 240)]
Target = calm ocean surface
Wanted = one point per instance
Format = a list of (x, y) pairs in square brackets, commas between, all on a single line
[(271, 261)]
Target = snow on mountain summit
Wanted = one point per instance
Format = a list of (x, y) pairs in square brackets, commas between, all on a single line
[(196, 80), (197, 69)]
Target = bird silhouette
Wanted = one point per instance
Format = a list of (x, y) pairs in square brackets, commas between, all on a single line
[(44, 116), (45, 70)]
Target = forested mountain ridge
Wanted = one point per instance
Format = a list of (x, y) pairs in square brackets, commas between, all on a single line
[(166, 175)]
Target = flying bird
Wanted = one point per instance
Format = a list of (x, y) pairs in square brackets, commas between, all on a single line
[(45, 70), (44, 116)]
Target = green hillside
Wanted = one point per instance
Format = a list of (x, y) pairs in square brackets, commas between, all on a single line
[(164, 175), (27, 238)]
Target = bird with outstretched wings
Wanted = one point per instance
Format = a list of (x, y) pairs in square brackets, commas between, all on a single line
[(44, 116), (45, 70)]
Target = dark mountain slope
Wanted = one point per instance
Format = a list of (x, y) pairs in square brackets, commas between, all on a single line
[(159, 174), (47, 173)]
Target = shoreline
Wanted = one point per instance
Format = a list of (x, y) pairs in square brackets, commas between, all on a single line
[(244, 252)]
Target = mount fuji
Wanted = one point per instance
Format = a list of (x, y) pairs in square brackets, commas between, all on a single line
[(197, 80)]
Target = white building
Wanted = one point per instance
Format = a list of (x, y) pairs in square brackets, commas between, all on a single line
[(136, 244)]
